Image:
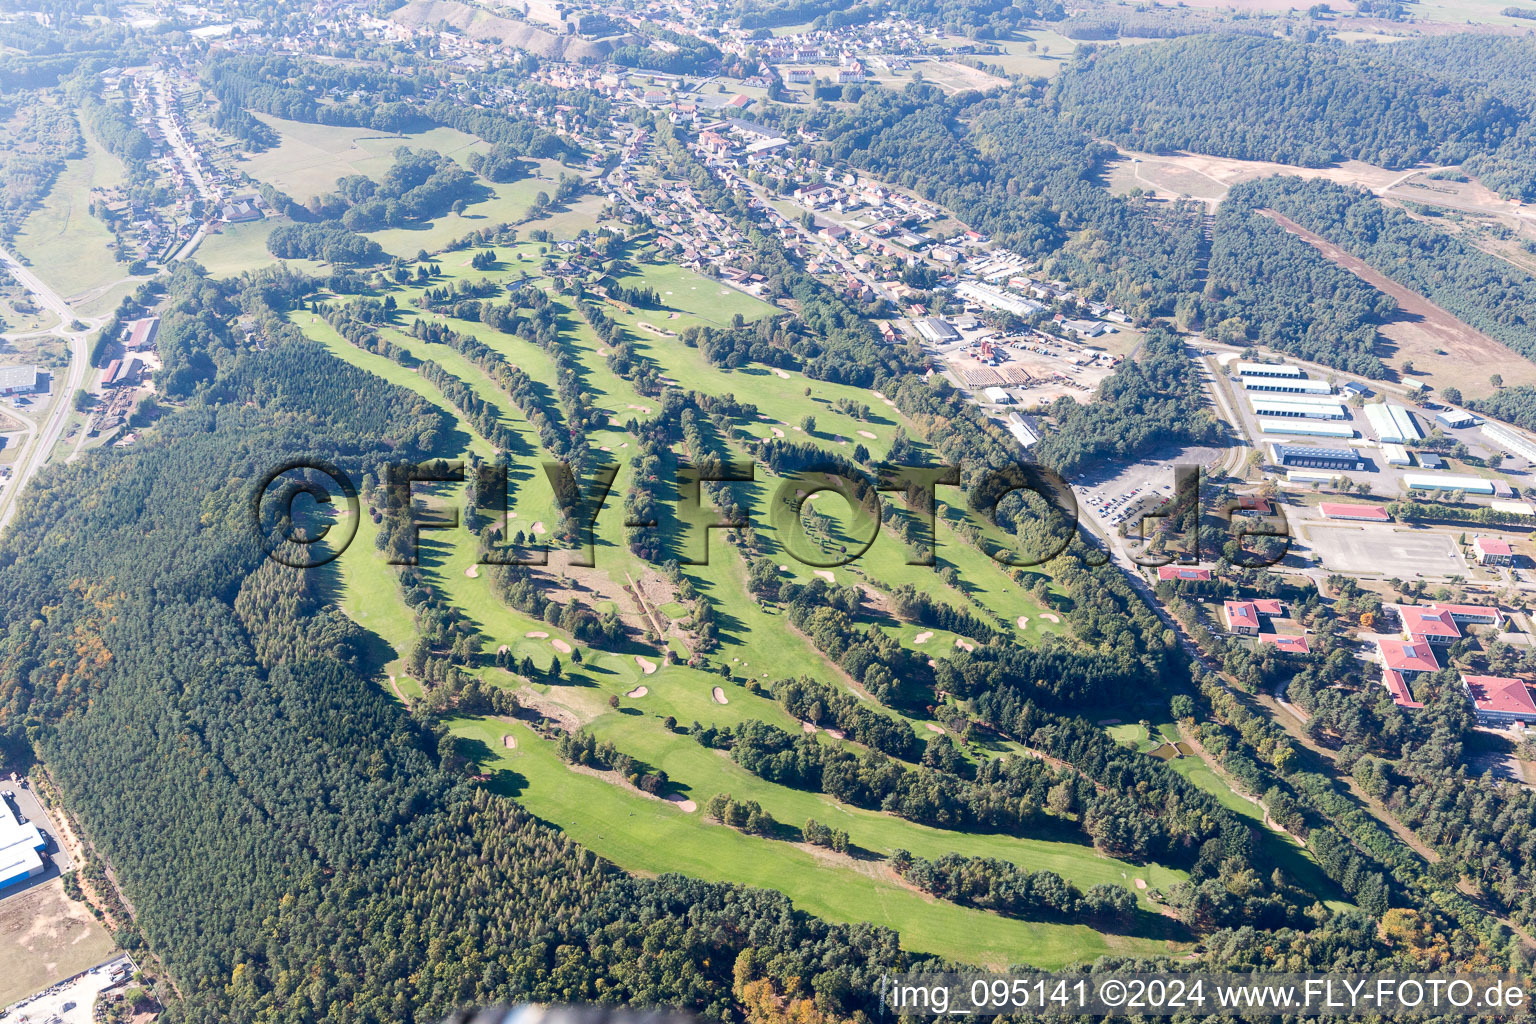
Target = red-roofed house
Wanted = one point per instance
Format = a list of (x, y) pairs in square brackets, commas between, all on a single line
[(1182, 572), (1406, 657), (1398, 687), (1500, 700), (1286, 644), (1241, 616), (1428, 624), (1492, 551), (1344, 510), (1268, 606)]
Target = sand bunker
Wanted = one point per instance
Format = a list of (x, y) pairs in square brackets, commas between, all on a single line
[(923, 637), (637, 693), (646, 665), (560, 645), (1141, 883), (503, 649), (826, 574), (1023, 621), (537, 635), (538, 528), (719, 696), (870, 434), (964, 645), (473, 572), (836, 734), (933, 728), (783, 568), (508, 742), (807, 727), (685, 805), (777, 432), (782, 374), (1048, 617)]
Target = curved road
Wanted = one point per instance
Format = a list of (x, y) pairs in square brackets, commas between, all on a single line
[(41, 442)]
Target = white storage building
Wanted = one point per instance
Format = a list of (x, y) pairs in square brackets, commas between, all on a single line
[(1392, 423)]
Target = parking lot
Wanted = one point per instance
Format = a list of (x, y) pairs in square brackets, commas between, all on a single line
[(69, 1002), (1383, 550), (1120, 494)]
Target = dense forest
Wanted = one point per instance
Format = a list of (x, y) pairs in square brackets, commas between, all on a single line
[(1311, 104), (1482, 290), (1271, 288)]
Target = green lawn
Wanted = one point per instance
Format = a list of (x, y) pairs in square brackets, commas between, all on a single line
[(68, 247)]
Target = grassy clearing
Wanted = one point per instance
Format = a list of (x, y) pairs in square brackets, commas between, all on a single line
[(46, 937), (67, 247), (310, 157), (241, 247)]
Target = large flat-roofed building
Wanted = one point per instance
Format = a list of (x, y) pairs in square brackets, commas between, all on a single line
[(1269, 370), (1455, 419), (1511, 442), (1306, 428), (996, 298), (1500, 700), (18, 380), (1298, 406), (1439, 482), (1296, 385), (21, 848), (1396, 455), (1295, 456), (936, 330), (1392, 423)]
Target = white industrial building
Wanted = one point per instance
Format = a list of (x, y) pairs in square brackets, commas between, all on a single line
[(1445, 482), (1021, 430), (21, 848), (1269, 370), (1392, 423), (996, 298), (18, 380), (997, 396), (1305, 428), (1299, 406), (1455, 419), (936, 330), (1509, 441), (1295, 385), (1396, 455)]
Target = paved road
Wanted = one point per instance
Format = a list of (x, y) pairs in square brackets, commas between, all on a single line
[(42, 441)]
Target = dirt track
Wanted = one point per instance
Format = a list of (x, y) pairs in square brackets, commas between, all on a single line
[(1419, 327)]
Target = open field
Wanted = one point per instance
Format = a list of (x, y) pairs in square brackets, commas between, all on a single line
[(1208, 177), (1384, 549), (67, 247), (237, 248), (1440, 346), (46, 937), (310, 157)]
